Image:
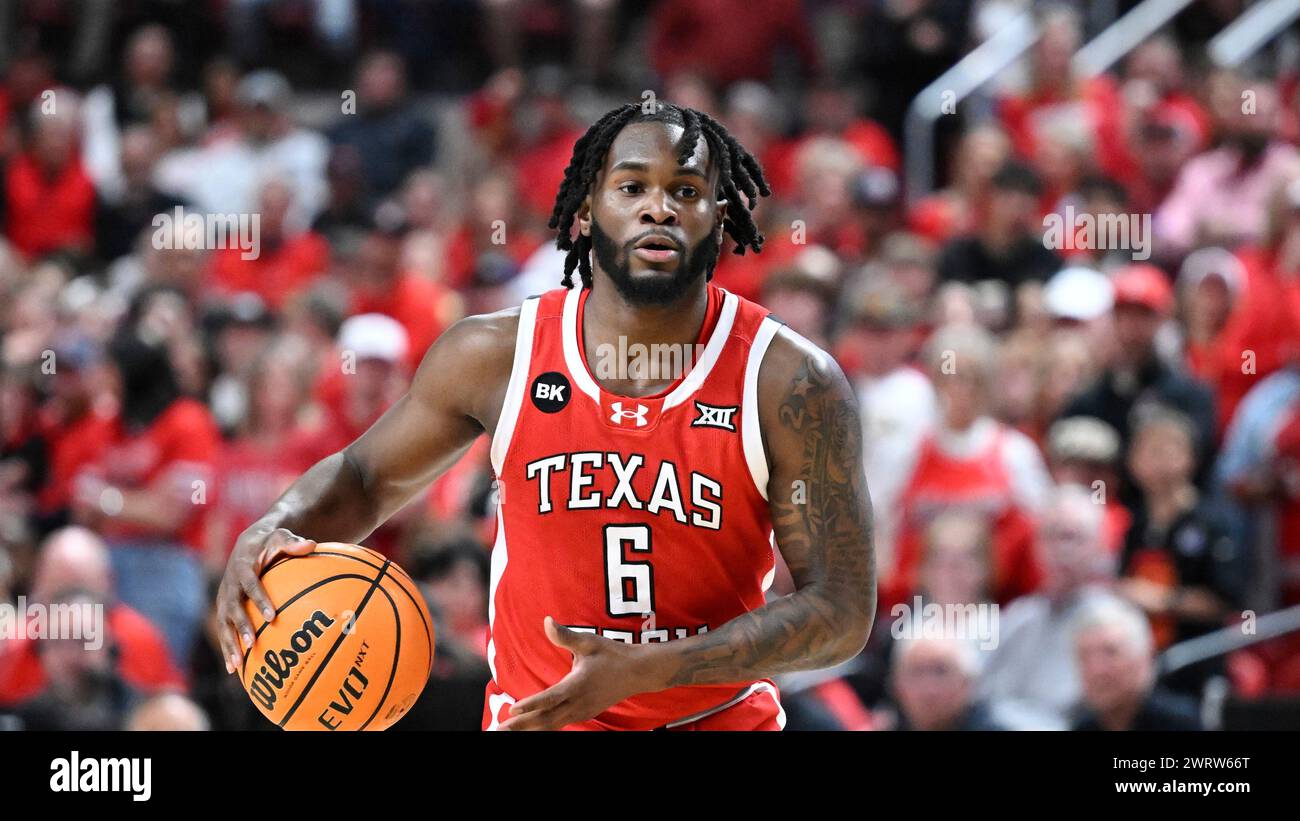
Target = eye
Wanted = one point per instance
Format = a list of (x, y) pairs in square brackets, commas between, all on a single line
[(630, 187), (689, 192)]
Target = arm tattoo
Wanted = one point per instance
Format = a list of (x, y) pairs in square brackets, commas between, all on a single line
[(823, 529)]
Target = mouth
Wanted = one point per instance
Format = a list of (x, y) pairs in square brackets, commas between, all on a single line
[(656, 249)]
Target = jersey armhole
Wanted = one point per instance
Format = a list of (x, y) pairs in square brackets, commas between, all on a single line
[(751, 434), (517, 386)]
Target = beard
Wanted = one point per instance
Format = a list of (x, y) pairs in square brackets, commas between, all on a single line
[(656, 290)]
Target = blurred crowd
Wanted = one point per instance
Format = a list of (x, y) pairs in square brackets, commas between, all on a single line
[(1102, 441)]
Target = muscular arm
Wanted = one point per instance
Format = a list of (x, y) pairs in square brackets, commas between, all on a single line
[(453, 397), (817, 493), (822, 518)]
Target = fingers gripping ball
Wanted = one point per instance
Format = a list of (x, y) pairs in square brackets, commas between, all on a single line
[(351, 645)]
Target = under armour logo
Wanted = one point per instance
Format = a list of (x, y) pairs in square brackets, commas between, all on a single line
[(714, 416), (619, 414)]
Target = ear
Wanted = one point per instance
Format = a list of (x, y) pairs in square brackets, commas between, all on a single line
[(583, 217), (720, 219)]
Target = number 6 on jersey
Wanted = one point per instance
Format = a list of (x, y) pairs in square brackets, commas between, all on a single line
[(629, 584)]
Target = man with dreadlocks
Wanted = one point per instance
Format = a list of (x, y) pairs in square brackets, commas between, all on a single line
[(636, 508)]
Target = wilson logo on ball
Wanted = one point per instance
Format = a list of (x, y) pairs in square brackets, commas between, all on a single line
[(270, 679), (359, 668)]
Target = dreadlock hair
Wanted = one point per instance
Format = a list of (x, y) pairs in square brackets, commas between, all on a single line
[(740, 173)]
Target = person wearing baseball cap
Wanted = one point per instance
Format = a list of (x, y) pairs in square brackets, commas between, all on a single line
[(1144, 286), (1137, 376)]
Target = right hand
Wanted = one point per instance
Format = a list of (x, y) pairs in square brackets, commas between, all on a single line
[(254, 550)]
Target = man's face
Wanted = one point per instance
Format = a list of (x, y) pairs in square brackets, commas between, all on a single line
[(1068, 548), (961, 396), (655, 225), (1135, 331), (1161, 457), (1011, 210), (378, 261), (930, 686), (954, 570), (1113, 671), (460, 593)]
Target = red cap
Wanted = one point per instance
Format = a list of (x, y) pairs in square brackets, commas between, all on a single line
[(1145, 285)]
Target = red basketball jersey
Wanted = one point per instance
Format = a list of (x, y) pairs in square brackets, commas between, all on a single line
[(638, 519)]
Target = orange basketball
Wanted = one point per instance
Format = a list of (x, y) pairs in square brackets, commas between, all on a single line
[(351, 645)]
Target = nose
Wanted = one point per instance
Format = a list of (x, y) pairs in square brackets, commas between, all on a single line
[(658, 209)]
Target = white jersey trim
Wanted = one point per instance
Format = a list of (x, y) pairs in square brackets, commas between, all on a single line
[(694, 379), (712, 351), (501, 439), (756, 687), (495, 702), (751, 435), (497, 564), (572, 357), (517, 385)]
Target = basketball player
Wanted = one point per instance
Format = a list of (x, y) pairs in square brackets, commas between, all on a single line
[(636, 511)]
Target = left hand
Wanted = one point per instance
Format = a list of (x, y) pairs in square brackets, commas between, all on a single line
[(604, 673)]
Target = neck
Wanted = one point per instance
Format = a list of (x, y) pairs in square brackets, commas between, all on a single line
[(607, 317)]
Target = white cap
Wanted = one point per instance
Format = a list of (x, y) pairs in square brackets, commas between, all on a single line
[(1078, 293), (1212, 261), (374, 336)]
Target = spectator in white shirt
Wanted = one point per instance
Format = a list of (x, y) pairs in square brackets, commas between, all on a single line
[(1031, 680)]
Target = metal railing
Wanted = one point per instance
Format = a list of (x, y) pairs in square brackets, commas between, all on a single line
[(1251, 31), (1229, 639), (954, 85), (1126, 34)]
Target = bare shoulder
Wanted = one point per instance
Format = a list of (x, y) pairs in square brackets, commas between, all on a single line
[(795, 381), (468, 367)]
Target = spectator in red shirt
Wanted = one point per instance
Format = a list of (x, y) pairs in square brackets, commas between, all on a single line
[(282, 434), (1154, 94), (285, 263), (76, 420), (1057, 98), (49, 197), (543, 155), (971, 463), (69, 683), (24, 452), (379, 284), (1240, 310), (830, 111), (495, 238), (368, 376), (729, 40), (1236, 321), (1161, 145), (147, 493), (951, 212)]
